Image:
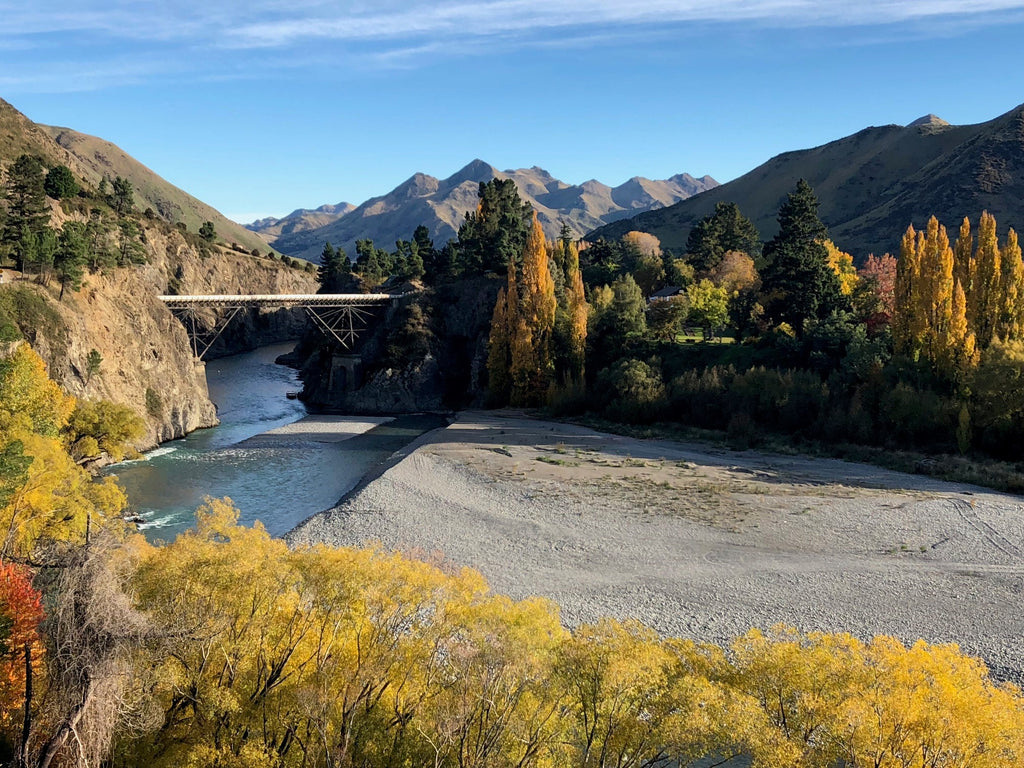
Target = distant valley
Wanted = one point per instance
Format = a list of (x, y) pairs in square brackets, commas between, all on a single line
[(441, 205)]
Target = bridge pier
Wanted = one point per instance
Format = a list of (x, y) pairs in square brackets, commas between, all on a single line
[(348, 369)]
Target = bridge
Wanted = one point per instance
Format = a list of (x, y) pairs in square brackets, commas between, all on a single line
[(339, 316)]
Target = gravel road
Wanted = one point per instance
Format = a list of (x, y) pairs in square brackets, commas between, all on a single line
[(700, 542)]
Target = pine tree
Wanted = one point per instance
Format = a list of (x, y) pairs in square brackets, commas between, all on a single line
[(798, 283), (122, 198), (70, 259), (720, 232), (496, 232), (327, 268), (27, 212)]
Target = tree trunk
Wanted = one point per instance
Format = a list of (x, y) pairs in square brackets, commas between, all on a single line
[(26, 727)]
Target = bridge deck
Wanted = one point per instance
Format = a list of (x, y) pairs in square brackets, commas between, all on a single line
[(281, 300)]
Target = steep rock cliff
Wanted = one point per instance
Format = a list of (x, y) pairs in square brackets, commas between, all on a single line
[(428, 353), (147, 363)]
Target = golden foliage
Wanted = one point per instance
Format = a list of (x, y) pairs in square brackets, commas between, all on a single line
[(646, 243), (56, 500), (578, 312), (736, 273), (842, 264), (326, 656), (527, 320)]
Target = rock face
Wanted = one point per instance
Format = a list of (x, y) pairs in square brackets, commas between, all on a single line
[(427, 354), (147, 363)]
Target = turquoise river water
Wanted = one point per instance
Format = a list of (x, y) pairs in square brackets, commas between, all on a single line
[(279, 481)]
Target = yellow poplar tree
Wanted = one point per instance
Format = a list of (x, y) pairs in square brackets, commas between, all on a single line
[(842, 264), (908, 273), (984, 303), (963, 256), (937, 288), (961, 353), (1011, 320), (498, 350), (531, 362), (578, 312)]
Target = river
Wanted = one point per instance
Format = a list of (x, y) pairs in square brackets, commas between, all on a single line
[(278, 481)]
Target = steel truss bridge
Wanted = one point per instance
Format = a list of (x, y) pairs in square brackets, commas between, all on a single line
[(339, 316)]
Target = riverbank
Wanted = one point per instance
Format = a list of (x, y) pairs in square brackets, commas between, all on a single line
[(700, 542)]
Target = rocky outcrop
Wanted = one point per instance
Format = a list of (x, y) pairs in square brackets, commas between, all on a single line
[(427, 354), (147, 363)]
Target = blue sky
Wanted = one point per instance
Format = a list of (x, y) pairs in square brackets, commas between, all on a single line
[(262, 106)]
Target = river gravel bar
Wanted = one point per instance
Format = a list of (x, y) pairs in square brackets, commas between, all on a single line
[(328, 429), (701, 542)]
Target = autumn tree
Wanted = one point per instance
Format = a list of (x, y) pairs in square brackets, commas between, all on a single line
[(616, 677), (736, 273), (985, 298), (873, 297), (842, 264), (55, 500), (1010, 324), (709, 307), (531, 363), (21, 652), (570, 334)]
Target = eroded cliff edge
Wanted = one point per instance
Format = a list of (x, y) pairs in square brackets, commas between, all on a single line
[(147, 362)]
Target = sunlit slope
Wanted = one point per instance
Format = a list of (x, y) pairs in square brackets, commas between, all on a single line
[(873, 184), (98, 158), (441, 205)]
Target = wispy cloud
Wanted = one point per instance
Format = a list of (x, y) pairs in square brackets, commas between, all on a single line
[(200, 38), (263, 23)]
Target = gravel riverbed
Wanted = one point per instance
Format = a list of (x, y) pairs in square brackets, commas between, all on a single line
[(700, 542)]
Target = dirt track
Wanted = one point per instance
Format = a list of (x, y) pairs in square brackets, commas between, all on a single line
[(701, 542)]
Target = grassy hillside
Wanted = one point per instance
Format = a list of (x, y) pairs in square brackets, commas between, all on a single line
[(873, 184), (100, 158), (20, 136)]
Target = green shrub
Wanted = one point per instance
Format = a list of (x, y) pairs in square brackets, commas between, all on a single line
[(154, 404)]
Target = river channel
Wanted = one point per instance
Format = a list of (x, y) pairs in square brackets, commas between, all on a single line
[(279, 481)]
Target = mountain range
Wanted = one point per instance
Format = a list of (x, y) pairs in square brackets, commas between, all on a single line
[(441, 205), (91, 158), (872, 184)]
